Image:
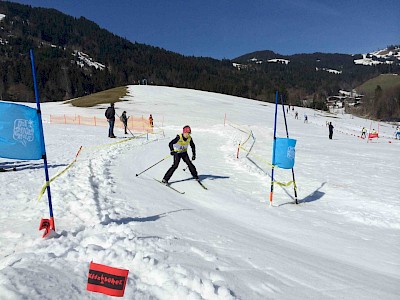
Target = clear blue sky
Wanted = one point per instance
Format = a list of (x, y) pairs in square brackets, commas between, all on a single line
[(230, 28)]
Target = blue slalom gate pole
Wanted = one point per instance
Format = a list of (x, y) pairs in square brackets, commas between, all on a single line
[(45, 223), (273, 151), (287, 135)]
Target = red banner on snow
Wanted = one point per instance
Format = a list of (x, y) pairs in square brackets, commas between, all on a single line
[(373, 136), (107, 280)]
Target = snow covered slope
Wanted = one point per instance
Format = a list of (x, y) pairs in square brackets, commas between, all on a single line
[(341, 242), (384, 56)]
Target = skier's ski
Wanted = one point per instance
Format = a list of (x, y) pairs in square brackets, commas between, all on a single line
[(202, 185), (167, 185), (7, 169)]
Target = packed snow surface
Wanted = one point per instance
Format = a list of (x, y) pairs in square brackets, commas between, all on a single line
[(342, 241)]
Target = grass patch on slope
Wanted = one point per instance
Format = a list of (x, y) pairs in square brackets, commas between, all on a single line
[(104, 97), (385, 81)]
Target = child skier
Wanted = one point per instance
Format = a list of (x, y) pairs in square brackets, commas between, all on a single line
[(178, 147), (363, 133), (124, 120)]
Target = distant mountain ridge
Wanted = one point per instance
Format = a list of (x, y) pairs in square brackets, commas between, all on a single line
[(76, 57), (388, 56)]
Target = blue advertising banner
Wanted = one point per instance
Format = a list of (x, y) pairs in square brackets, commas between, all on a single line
[(19, 132), (285, 153)]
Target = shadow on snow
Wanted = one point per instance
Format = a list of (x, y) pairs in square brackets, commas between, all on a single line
[(201, 177), (138, 219)]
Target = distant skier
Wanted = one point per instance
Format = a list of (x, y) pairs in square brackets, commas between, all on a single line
[(363, 133), (398, 132), (151, 121), (305, 118), (110, 115), (330, 130), (124, 120), (296, 115), (178, 147), (373, 134)]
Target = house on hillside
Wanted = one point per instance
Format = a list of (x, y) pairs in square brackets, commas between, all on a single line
[(343, 98), (335, 101)]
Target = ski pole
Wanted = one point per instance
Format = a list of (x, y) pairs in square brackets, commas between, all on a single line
[(154, 165)]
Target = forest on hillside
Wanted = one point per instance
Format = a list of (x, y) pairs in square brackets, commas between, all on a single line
[(56, 38)]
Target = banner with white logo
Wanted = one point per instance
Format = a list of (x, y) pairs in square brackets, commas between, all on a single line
[(19, 132), (285, 153)]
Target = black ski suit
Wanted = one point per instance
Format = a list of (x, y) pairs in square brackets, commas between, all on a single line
[(330, 130), (124, 120)]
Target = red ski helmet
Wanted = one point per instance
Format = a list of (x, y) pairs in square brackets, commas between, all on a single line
[(187, 129)]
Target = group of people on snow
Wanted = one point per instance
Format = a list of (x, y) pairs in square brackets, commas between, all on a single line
[(178, 146), (110, 115)]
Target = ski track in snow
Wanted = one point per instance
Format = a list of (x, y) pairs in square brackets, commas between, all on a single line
[(93, 217)]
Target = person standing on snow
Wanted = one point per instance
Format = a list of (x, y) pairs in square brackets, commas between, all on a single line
[(330, 130), (151, 121), (178, 147), (124, 120), (110, 115)]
